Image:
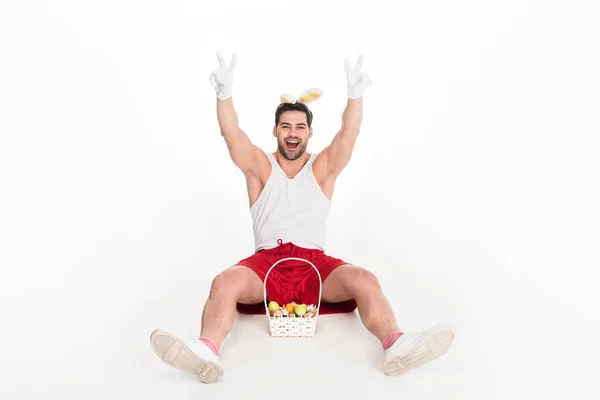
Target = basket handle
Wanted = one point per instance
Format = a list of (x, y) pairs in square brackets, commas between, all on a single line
[(285, 259)]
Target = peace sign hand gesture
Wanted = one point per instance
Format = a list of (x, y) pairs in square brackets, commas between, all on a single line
[(357, 81), (222, 79)]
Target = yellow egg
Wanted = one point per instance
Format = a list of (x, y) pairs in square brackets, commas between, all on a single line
[(299, 311)]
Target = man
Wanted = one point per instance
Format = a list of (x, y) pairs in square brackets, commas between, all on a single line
[(290, 194)]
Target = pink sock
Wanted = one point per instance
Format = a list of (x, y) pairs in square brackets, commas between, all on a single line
[(210, 345), (391, 338)]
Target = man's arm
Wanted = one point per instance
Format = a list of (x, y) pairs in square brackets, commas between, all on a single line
[(339, 152), (243, 153)]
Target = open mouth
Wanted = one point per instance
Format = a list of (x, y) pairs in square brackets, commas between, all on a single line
[(292, 144)]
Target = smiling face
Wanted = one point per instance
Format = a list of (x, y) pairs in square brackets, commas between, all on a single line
[(292, 134)]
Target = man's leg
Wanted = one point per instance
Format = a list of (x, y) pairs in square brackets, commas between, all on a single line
[(351, 282), (235, 284), (403, 352), (199, 358)]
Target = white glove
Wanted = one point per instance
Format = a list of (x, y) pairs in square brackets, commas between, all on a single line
[(222, 79), (357, 81)]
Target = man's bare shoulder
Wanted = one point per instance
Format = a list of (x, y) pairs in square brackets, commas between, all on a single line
[(262, 169), (325, 179), (257, 179), (320, 166)]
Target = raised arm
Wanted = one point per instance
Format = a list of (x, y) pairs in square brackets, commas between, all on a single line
[(246, 156), (337, 155)]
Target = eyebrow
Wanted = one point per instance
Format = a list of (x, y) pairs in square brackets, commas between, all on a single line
[(287, 123)]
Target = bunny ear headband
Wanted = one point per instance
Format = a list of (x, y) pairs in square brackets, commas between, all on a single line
[(306, 97)]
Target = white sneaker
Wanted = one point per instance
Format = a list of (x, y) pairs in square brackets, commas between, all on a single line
[(412, 350), (194, 358)]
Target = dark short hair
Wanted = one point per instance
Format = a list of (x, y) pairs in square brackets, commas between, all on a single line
[(283, 107)]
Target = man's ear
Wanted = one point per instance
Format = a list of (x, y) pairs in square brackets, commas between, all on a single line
[(275, 131), (310, 132)]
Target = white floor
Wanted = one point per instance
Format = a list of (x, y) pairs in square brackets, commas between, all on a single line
[(515, 339)]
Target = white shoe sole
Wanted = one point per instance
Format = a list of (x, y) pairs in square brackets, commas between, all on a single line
[(173, 351), (432, 344)]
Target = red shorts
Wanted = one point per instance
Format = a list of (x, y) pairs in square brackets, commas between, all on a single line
[(293, 280)]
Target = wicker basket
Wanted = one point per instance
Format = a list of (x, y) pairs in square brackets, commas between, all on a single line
[(292, 326)]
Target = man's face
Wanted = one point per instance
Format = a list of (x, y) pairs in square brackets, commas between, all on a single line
[(292, 134)]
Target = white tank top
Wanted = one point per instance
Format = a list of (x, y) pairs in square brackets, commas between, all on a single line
[(293, 210)]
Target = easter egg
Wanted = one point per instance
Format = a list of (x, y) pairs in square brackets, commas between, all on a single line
[(299, 310), (273, 306)]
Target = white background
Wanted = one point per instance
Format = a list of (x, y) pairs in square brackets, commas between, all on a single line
[(472, 193)]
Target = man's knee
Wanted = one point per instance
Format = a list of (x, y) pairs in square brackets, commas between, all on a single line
[(359, 279), (350, 280), (238, 282)]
